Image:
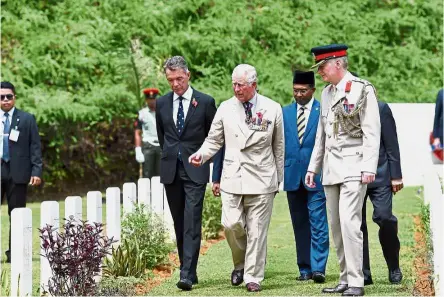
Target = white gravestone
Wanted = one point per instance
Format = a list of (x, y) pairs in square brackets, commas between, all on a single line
[(73, 207), (94, 207), (50, 215), (167, 217), (129, 197), (21, 252), (113, 213), (144, 192), (156, 195)]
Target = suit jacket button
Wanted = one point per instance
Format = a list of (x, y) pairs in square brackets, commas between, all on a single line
[(329, 136), (235, 135)]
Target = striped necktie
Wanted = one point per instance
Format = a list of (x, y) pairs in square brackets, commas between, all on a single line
[(301, 123)]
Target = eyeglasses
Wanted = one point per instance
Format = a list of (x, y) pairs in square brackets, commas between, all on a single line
[(6, 97), (301, 91)]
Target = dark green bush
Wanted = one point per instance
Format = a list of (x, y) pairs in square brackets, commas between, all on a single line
[(83, 76), (149, 231), (211, 215)]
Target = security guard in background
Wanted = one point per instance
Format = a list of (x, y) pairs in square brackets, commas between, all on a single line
[(347, 150), (145, 136)]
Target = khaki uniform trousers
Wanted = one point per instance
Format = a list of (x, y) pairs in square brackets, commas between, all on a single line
[(246, 219), (344, 205)]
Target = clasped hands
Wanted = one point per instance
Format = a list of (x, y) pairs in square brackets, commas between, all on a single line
[(366, 178)]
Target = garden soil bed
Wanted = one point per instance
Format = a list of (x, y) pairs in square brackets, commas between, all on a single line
[(423, 274), (163, 272)]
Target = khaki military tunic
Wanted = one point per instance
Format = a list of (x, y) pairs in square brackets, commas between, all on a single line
[(347, 144)]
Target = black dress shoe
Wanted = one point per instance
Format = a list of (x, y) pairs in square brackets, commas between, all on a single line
[(237, 277), (253, 287), (395, 276), (368, 280), (304, 277), (185, 284), (354, 291), (318, 277), (195, 280), (8, 256), (338, 289)]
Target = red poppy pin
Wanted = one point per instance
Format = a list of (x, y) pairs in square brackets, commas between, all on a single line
[(259, 115), (194, 102), (348, 86)]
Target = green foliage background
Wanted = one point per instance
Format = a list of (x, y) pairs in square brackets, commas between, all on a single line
[(80, 65)]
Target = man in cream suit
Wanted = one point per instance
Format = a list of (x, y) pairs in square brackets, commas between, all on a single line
[(347, 150), (251, 127)]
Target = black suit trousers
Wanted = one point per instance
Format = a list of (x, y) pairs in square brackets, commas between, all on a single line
[(381, 197), (15, 193), (185, 199)]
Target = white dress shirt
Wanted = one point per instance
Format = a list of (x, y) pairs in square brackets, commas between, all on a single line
[(185, 102), (10, 113), (307, 110)]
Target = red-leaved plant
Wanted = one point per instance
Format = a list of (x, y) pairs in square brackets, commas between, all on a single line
[(75, 256)]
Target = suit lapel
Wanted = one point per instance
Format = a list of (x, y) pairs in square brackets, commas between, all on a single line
[(15, 120), (239, 110), (170, 113), (191, 109), (312, 119)]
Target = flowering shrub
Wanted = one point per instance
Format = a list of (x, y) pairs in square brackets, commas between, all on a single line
[(75, 256)]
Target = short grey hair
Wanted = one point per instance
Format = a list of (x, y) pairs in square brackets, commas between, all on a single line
[(344, 62), (174, 63), (247, 71)]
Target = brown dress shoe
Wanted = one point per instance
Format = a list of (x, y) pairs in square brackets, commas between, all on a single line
[(253, 287)]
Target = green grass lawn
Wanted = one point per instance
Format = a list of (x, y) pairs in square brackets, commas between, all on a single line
[(215, 267)]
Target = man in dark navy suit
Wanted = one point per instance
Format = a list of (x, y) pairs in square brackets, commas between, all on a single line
[(438, 121), (183, 119), (21, 153), (388, 182), (307, 205)]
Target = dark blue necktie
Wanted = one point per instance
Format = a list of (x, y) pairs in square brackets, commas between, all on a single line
[(6, 128), (180, 122), (247, 107)]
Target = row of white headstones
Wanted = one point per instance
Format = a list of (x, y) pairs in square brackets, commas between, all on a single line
[(150, 193), (434, 198)]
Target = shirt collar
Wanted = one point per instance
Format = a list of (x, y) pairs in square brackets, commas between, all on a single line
[(187, 95), (341, 85), (253, 100), (307, 106), (10, 112)]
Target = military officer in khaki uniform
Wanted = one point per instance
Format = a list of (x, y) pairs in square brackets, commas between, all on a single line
[(145, 136), (251, 127), (346, 154)]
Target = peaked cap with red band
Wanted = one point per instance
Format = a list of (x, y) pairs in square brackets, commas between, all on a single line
[(327, 52), (151, 93)]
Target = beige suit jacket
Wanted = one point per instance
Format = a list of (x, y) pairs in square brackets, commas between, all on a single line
[(342, 157), (254, 160)]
